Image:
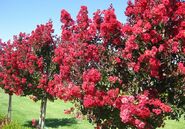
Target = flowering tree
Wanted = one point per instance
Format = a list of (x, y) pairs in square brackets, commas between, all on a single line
[(27, 67), (123, 75), (3, 76)]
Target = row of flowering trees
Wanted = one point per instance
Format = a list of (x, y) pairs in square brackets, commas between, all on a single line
[(119, 75)]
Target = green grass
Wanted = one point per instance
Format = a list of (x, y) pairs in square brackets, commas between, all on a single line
[(171, 124), (14, 125), (24, 110)]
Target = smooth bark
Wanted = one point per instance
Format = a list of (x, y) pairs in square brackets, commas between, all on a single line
[(42, 113), (9, 116)]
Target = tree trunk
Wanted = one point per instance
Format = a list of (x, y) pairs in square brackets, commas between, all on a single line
[(42, 113), (9, 116)]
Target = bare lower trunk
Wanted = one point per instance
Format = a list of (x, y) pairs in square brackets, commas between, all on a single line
[(42, 113), (9, 116)]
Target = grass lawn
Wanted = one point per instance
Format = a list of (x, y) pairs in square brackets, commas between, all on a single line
[(24, 110), (171, 124)]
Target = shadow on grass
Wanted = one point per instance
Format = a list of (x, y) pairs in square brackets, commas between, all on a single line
[(55, 123)]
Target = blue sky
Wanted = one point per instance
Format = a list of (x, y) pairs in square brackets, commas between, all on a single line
[(23, 15)]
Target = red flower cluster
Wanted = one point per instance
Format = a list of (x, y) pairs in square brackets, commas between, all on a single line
[(110, 28), (99, 98), (92, 75), (114, 79), (181, 68), (41, 36), (137, 111)]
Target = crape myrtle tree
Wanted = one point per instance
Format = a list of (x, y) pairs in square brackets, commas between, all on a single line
[(27, 66), (2, 70), (124, 75)]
